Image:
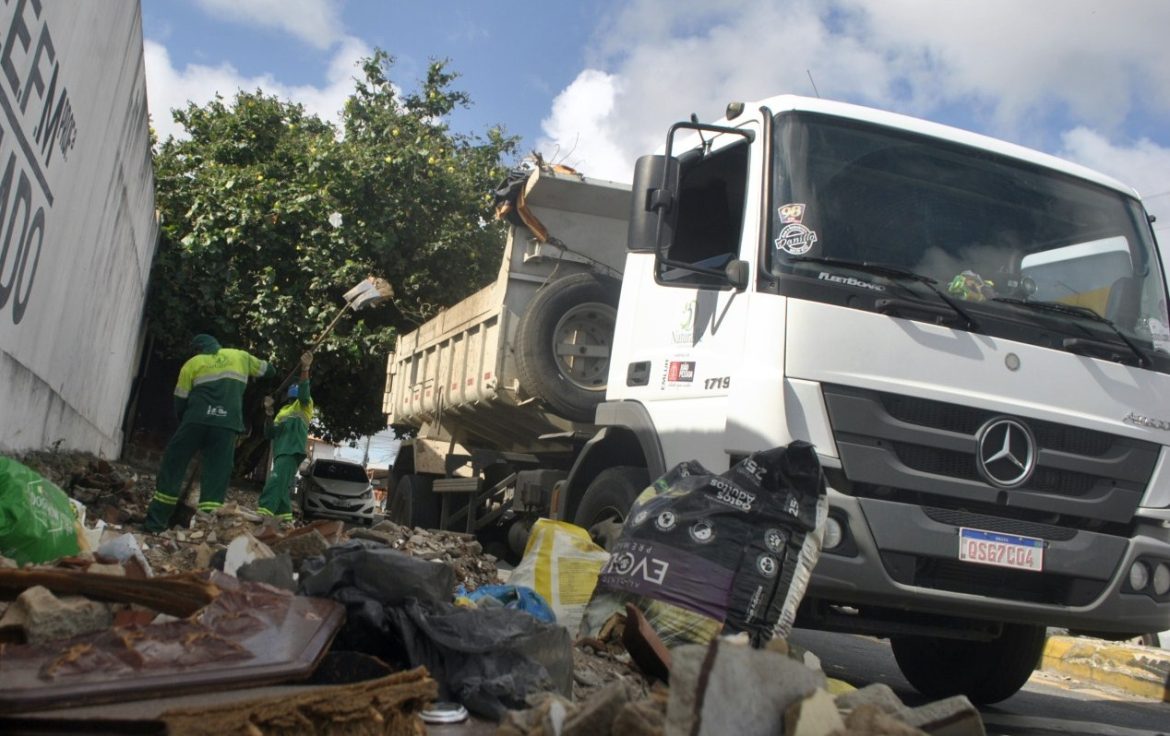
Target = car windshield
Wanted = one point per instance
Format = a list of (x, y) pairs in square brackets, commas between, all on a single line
[(337, 470), (986, 228)]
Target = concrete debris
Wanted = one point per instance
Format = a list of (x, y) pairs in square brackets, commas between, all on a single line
[(873, 721), (243, 550), (596, 715), (815, 715), (275, 571), (595, 668), (726, 687), (301, 546), (123, 549), (646, 717), (44, 617), (954, 716)]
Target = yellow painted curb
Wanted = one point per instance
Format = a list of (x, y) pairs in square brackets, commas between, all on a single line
[(1137, 670)]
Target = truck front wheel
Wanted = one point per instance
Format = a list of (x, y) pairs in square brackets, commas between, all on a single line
[(413, 503), (985, 671), (608, 499)]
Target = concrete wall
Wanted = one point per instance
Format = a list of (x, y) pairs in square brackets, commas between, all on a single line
[(77, 221)]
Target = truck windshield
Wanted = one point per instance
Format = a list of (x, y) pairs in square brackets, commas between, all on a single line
[(997, 235)]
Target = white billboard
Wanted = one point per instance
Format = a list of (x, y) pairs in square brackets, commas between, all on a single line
[(77, 223)]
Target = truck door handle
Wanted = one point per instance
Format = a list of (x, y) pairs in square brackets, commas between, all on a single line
[(638, 374)]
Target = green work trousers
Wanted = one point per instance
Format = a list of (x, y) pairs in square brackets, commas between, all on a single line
[(217, 446), (274, 499)]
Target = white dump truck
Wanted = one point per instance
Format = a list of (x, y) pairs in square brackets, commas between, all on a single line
[(973, 335)]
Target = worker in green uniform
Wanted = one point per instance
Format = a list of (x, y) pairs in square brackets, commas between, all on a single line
[(209, 403), (289, 433)]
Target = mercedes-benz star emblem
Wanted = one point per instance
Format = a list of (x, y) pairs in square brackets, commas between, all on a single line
[(1006, 452)]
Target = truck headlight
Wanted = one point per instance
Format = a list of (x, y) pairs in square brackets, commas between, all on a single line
[(834, 534), (1161, 579), (1139, 575)]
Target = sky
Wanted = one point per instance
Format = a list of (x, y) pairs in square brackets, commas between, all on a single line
[(595, 83)]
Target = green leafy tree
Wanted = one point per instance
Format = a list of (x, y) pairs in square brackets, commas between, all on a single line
[(269, 215)]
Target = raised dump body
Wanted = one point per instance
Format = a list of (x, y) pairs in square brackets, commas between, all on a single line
[(456, 376)]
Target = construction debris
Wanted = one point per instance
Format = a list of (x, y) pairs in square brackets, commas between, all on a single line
[(388, 705), (152, 615), (727, 687)]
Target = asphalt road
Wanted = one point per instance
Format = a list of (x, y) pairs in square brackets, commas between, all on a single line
[(1048, 704)]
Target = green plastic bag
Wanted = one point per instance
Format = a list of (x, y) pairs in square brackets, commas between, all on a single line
[(37, 521)]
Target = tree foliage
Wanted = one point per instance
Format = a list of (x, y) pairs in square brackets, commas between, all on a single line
[(269, 215)]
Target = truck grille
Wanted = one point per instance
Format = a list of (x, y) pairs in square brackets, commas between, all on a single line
[(1000, 524), (968, 420), (958, 577), (925, 452)]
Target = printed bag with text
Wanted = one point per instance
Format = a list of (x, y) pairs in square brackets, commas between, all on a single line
[(701, 554)]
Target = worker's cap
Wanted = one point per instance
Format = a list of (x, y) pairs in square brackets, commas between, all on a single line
[(204, 343), (292, 391)]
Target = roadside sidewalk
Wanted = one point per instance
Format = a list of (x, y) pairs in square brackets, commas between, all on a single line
[(1138, 670)]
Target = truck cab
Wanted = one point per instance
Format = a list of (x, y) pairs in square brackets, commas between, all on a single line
[(973, 335)]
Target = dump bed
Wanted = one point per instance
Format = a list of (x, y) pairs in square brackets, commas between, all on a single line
[(455, 376)]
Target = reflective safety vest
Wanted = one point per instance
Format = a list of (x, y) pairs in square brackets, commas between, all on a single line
[(290, 428), (213, 386)]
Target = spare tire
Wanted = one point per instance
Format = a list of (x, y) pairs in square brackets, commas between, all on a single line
[(563, 343)]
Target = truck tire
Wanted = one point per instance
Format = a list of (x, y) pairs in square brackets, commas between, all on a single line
[(608, 499), (985, 671), (413, 503), (563, 343)]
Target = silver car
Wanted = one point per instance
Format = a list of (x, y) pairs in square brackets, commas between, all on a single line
[(335, 489)]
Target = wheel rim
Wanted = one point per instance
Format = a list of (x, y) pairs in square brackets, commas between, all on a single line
[(582, 340), (606, 527)]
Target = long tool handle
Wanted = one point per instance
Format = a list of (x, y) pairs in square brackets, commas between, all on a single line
[(316, 344)]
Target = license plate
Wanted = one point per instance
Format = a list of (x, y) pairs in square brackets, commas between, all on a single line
[(1001, 550)]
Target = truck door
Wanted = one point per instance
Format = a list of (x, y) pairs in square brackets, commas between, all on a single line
[(680, 331)]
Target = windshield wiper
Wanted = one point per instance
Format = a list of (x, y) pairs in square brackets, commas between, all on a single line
[(895, 306), (1081, 344)]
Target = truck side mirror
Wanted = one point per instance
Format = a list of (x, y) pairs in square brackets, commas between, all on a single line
[(652, 204), (737, 272)]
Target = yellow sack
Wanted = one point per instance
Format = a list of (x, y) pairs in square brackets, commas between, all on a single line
[(561, 563)]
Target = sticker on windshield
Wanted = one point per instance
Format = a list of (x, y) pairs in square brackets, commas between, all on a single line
[(791, 213), (796, 239)]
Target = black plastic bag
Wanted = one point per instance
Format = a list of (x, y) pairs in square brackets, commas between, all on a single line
[(701, 554), (398, 609), (385, 575), (488, 659)]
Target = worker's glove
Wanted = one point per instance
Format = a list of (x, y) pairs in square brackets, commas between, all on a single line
[(268, 404), (306, 359)]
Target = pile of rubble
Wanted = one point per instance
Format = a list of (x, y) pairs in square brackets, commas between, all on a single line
[(462, 552), (726, 687), (199, 604), (126, 578), (117, 495)]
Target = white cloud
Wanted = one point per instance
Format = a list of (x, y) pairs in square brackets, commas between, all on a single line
[(580, 127), (1006, 68), (1144, 165), (169, 88), (316, 22)]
